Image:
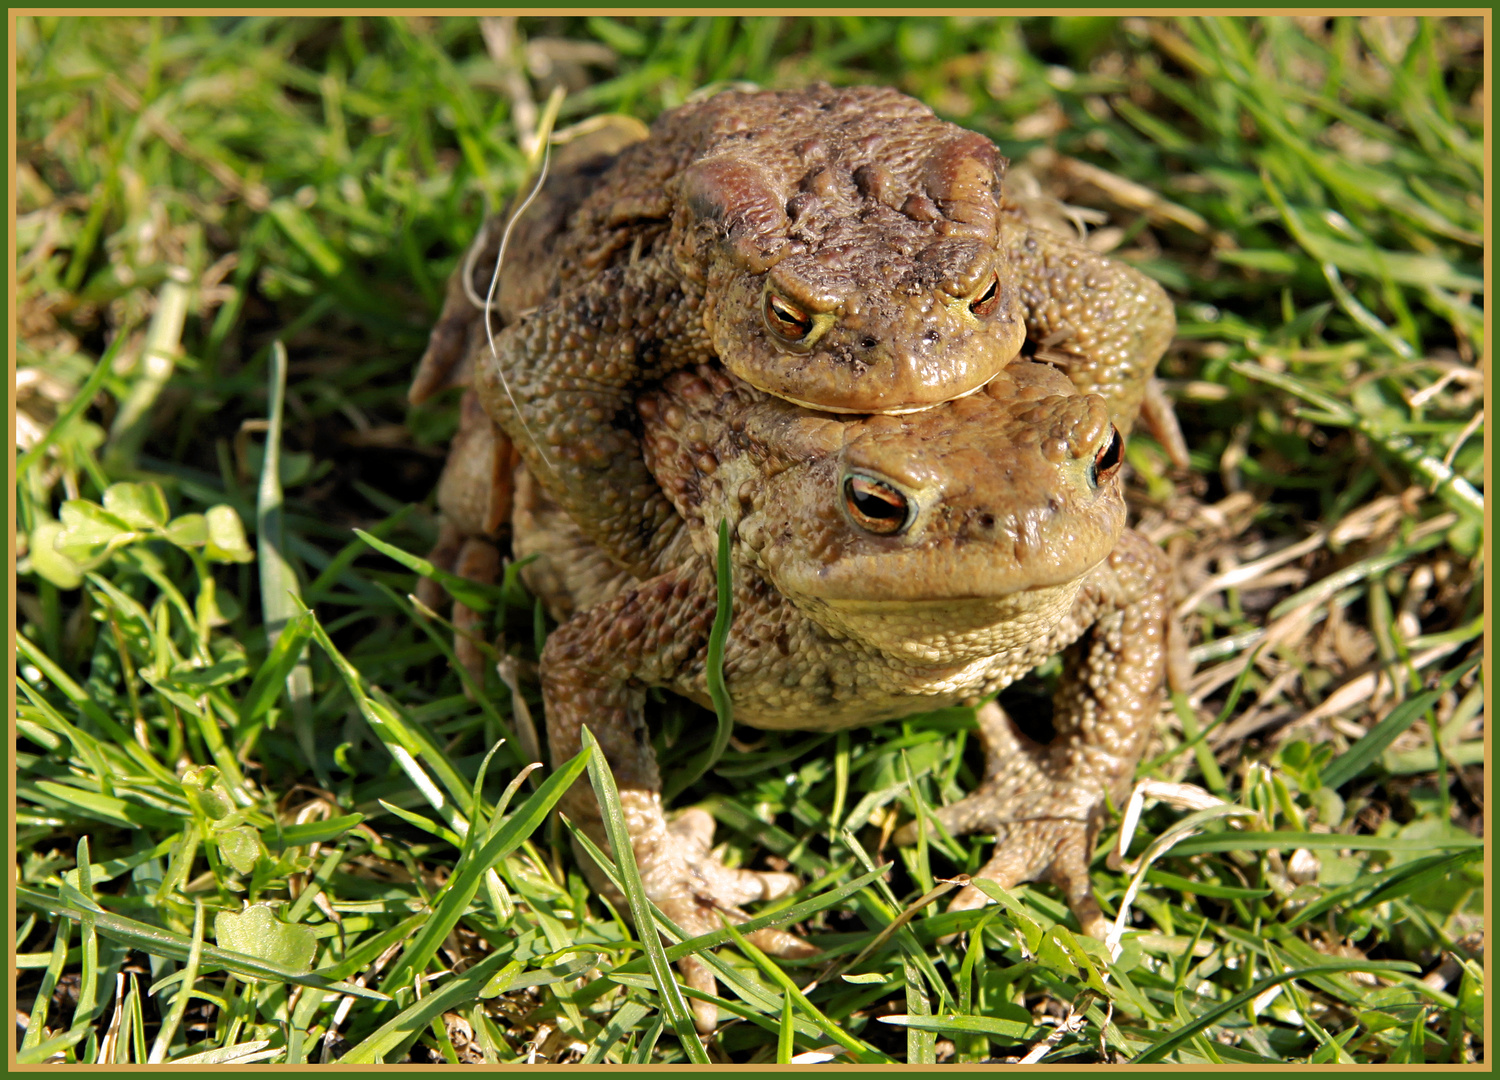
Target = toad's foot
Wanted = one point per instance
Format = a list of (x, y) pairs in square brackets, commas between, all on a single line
[(1160, 418), (1103, 322), (1052, 850), (1043, 807), (692, 887), (1045, 801)]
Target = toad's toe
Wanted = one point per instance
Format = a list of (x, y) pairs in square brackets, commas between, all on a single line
[(1049, 849), (694, 830), (478, 561)]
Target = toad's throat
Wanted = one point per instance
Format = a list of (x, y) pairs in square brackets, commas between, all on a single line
[(947, 630)]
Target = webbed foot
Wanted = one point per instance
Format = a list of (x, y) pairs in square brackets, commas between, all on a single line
[(1042, 803), (693, 887)]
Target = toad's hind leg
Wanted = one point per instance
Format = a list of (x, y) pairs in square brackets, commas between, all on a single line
[(594, 670), (1045, 801), (474, 502)]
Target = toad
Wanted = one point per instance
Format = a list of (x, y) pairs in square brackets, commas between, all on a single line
[(882, 566), (842, 248)]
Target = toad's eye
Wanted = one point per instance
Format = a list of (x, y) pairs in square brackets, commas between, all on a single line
[(987, 302), (1107, 461), (876, 506), (785, 319)]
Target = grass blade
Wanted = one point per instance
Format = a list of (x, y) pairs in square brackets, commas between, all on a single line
[(624, 1020), (169, 1026), (155, 941), (279, 587), (785, 1045), (480, 598), (288, 652), (673, 1005), (1400, 880), (772, 970), (1367, 750), (703, 944), (41, 1051), (49, 983), (717, 690), (462, 887), (90, 708), (426, 824), (412, 1021), (238, 1054), (281, 837), (163, 341), (1162, 1047), (969, 1025), (81, 401), (405, 742), (1290, 838)]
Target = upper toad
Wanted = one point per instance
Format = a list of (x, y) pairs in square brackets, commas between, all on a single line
[(838, 247)]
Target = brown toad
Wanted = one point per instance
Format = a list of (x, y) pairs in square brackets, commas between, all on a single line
[(838, 247), (882, 566)]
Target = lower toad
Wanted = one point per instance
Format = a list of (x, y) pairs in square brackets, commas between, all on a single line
[(882, 566)]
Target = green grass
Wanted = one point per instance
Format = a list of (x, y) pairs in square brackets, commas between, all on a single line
[(193, 190)]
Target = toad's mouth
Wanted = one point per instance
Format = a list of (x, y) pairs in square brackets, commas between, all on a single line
[(928, 603), (879, 585), (898, 410)]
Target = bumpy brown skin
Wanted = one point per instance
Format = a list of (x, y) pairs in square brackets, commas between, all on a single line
[(880, 227), (1015, 548)]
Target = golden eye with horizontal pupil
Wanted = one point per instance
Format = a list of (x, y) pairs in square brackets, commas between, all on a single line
[(1107, 461), (785, 319), (876, 506), (988, 301)]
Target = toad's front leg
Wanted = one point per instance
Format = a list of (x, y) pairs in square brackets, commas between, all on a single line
[(594, 672), (1103, 322), (1045, 801), (562, 383)]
